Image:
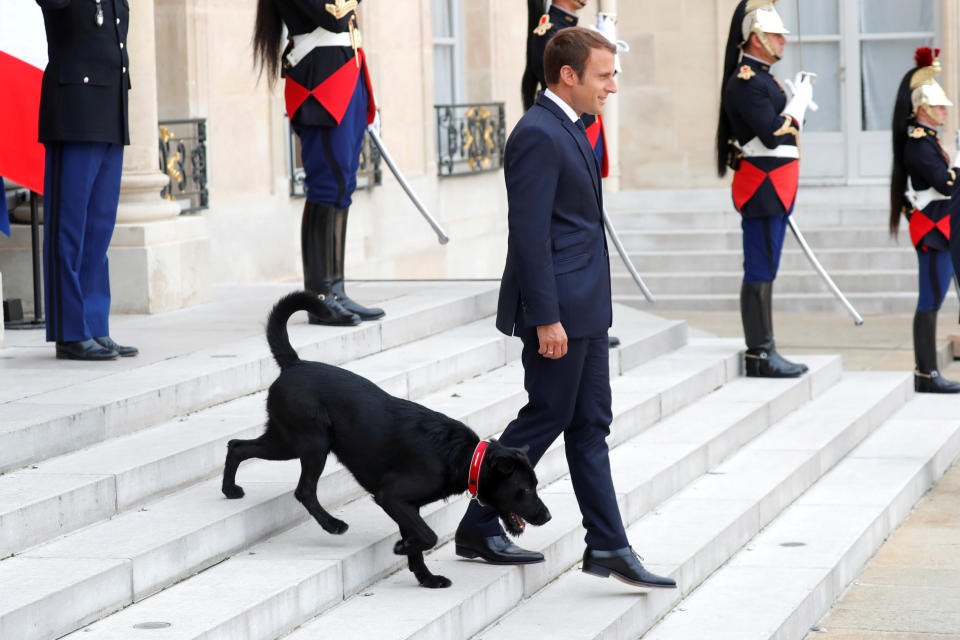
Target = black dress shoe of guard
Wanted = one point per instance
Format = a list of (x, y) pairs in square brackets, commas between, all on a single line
[(334, 314), (624, 565), (495, 549), (614, 342), (365, 313), (108, 343), (933, 382), (88, 349), (767, 363)]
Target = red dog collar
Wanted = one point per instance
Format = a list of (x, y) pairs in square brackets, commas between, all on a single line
[(473, 479)]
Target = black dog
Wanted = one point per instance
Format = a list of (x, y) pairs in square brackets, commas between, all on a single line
[(404, 454)]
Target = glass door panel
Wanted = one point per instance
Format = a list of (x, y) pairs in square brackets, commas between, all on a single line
[(818, 43)]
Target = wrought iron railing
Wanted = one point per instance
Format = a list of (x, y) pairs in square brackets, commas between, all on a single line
[(369, 175), (183, 159), (470, 138)]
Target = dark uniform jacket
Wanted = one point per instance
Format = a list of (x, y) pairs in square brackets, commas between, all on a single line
[(322, 63), (754, 102), (928, 167), (537, 44), (84, 92), (557, 267)]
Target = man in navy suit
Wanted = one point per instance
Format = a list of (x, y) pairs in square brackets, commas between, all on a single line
[(555, 295)]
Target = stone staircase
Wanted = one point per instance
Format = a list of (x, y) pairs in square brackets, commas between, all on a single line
[(112, 524), (688, 247)]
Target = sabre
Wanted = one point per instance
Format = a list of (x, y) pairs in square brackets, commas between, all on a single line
[(857, 318), (626, 258), (442, 237)]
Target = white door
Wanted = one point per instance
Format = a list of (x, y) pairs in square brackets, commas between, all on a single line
[(860, 50)]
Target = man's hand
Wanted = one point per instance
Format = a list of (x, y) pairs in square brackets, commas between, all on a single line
[(553, 341)]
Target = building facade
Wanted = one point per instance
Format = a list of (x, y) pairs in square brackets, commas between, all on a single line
[(192, 59)]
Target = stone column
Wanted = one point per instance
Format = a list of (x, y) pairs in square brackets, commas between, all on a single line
[(158, 259)]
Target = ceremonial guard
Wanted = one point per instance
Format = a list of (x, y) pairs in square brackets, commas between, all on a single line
[(924, 188), (83, 125), (329, 99), (758, 137), (546, 18)]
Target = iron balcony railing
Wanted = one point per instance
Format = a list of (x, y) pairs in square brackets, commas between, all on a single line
[(470, 138), (183, 159)]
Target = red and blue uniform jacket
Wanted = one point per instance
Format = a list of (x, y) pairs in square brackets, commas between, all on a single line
[(319, 88), (928, 167), (754, 100)]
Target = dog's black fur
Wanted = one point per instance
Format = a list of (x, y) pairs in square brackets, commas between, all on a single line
[(404, 454)]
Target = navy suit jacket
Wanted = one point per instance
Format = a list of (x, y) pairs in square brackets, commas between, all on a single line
[(557, 268)]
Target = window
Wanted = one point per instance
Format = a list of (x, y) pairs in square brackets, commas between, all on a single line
[(447, 51)]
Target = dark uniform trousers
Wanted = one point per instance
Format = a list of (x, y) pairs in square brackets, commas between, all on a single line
[(83, 125), (331, 155), (763, 246), (81, 191), (571, 396)]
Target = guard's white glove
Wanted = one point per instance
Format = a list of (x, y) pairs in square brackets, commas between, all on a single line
[(607, 26), (375, 125), (956, 157), (802, 87)]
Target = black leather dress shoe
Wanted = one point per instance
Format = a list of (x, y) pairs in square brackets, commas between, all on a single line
[(88, 349), (334, 314), (108, 343), (614, 341), (624, 565), (495, 549), (365, 313)]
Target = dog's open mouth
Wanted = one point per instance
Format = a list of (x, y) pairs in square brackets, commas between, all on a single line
[(518, 522)]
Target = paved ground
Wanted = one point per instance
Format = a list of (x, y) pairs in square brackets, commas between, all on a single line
[(910, 590)]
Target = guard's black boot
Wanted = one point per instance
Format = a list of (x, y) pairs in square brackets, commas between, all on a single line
[(762, 359), (340, 239), (318, 249), (927, 379)]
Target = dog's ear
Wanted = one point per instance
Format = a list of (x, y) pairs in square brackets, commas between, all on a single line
[(505, 466)]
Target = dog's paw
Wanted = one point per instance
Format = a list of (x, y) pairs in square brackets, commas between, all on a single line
[(336, 527), (233, 492), (435, 582)]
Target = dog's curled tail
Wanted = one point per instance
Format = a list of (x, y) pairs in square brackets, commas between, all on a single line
[(277, 336)]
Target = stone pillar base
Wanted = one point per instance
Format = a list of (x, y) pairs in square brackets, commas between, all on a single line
[(154, 266), (160, 266)]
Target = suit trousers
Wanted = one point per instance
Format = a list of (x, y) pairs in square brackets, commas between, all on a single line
[(569, 396), (81, 192)]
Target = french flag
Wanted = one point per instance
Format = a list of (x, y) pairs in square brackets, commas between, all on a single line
[(23, 57)]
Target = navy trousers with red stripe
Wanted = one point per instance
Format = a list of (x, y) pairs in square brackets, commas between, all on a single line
[(81, 191), (331, 155)]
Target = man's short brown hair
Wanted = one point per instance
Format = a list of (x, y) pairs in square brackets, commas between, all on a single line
[(571, 47)]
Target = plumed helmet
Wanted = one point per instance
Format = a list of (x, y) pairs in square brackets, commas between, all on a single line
[(925, 91), (762, 17)]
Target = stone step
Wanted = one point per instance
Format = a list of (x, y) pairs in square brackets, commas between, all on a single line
[(267, 608), (793, 259), (829, 198), (881, 302), (788, 281), (194, 528), (788, 576), (64, 493), (481, 602), (718, 239), (694, 532), (724, 216), (55, 415)]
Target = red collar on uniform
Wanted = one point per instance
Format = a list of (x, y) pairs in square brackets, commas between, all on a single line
[(473, 479)]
